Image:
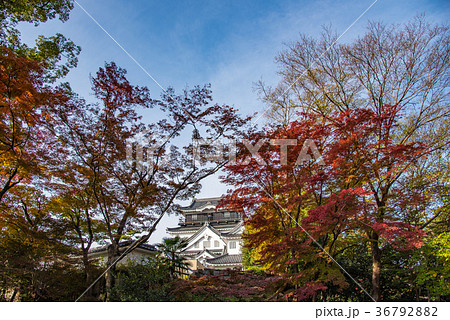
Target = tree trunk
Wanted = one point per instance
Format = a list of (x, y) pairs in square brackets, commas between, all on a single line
[(13, 296), (376, 267), (113, 254), (88, 271)]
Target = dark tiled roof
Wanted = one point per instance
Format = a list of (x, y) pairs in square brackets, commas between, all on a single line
[(190, 253), (215, 225), (198, 203), (219, 226), (237, 228), (236, 232), (226, 259), (233, 235), (214, 252), (196, 252), (223, 226), (183, 228), (122, 244)]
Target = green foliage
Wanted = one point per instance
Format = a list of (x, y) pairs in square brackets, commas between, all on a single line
[(49, 51), (56, 54), (171, 249), (32, 270), (148, 281), (34, 11), (434, 269), (54, 282), (250, 259)]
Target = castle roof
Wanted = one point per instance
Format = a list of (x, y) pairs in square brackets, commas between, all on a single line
[(198, 204), (227, 259), (216, 226), (122, 244)]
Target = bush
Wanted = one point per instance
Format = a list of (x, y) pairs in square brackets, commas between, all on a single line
[(146, 281)]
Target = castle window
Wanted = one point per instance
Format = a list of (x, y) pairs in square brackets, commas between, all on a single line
[(196, 245), (194, 217), (227, 215), (232, 245), (206, 244), (216, 244)]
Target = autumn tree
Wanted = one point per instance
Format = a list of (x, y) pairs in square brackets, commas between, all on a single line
[(29, 152), (24, 72), (26, 145), (37, 264), (397, 65), (276, 194), (133, 189), (306, 211), (74, 206)]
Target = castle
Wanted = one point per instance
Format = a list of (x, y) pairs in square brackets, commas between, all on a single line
[(215, 236)]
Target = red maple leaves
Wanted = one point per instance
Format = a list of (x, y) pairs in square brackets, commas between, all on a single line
[(296, 209)]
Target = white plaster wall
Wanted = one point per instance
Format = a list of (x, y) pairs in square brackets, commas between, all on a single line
[(236, 250)]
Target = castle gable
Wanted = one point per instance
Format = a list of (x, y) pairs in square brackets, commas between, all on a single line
[(212, 233)]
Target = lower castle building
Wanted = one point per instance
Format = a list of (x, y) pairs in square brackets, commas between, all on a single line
[(215, 236)]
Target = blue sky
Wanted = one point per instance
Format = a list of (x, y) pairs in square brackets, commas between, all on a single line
[(230, 44)]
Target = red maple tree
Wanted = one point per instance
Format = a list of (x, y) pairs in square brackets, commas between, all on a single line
[(25, 141), (303, 214)]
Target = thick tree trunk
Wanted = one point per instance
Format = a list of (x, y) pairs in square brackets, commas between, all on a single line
[(376, 267)]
